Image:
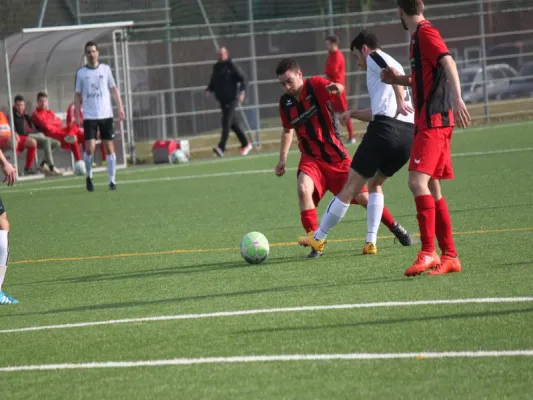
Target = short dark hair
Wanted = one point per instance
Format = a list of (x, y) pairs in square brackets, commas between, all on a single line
[(90, 43), (18, 98), (334, 39), (287, 64), (411, 7), (365, 37), (41, 95)]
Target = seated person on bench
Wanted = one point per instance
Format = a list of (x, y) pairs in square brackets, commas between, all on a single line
[(23, 142), (51, 125), (24, 127)]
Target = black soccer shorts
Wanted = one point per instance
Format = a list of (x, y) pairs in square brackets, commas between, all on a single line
[(386, 147), (105, 126)]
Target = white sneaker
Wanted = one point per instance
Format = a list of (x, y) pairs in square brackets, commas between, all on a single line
[(245, 150), (71, 139)]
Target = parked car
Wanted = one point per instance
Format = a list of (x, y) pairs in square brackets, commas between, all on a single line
[(516, 54), (498, 80), (521, 85)]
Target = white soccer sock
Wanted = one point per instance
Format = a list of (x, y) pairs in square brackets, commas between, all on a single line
[(334, 213), (88, 158), (374, 210), (4, 255), (111, 167)]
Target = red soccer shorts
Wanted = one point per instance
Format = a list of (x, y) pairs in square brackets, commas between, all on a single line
[(4, 142), (326, 176), (431, 153), (339, 104)]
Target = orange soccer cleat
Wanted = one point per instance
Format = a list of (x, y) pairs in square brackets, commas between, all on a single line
[(447, 265), (423, 262)]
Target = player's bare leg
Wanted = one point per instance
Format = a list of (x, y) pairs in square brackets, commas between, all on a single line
[(449, 262), (308, 215), (4, 256), (111, 163), (419, 184), (90, 146), (336, 210), (376, 212)]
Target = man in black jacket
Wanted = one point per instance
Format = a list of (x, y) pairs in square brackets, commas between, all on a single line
[(228, 84), (25, 127)]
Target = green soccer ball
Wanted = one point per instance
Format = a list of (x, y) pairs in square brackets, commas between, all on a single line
[(254, 247)]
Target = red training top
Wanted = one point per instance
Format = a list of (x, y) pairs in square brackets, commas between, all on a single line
[(312, 117)]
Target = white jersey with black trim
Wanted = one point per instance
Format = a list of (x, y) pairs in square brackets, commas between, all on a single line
[(382, 97), (94, 85)]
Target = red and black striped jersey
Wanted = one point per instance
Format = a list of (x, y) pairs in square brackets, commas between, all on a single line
[(431, 90), (312, 118)]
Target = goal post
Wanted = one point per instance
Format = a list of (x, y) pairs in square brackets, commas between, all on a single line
[(46, 59)]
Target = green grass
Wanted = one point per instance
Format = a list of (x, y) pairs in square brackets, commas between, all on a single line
[(57, 226)]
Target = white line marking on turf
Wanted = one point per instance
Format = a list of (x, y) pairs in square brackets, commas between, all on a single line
[(161, 179), (231, 173), (274, 311), (271, 358)]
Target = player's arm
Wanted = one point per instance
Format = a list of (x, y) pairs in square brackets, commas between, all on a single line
[(392, 76), (10, 173), (116, 94), (462, 116), (364, 115), (118, 102), (77, 99), (402, 107), (286, 140), (320, 84), (77, 108), (239, 76)]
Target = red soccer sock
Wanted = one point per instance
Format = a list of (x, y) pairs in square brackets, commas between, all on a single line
[(443, 228), (349, 126), (102, 149), (386, 218), (30, 157), (76, 152), (309, 220), (425, 214)]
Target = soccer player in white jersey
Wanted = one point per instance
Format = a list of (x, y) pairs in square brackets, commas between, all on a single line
[(95, 85), (385, 148)]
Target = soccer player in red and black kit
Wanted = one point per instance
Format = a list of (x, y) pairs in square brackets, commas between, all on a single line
[(335, 71), (305, 108), (438, 107)]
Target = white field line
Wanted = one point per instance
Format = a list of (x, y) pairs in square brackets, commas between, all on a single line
[(271, 358), (133, 170), (231, 173), (148, 180), (222, 314)]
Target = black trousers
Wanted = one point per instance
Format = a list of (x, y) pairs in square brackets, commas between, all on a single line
[(230, 121)]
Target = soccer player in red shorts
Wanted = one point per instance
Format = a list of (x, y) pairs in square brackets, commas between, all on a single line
[(438, 107), (335, 71), (305, 108)]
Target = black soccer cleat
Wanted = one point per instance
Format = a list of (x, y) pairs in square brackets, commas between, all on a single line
[(112, 186), (315, 254), (402, 235), (89, 184)]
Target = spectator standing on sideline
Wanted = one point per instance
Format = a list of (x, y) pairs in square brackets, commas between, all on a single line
[(228, 84), (335, 71)]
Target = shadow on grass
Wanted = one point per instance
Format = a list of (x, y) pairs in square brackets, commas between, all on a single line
[(141, 303), (392, 321)]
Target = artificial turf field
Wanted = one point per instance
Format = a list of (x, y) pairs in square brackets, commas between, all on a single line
[(166, 244)]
